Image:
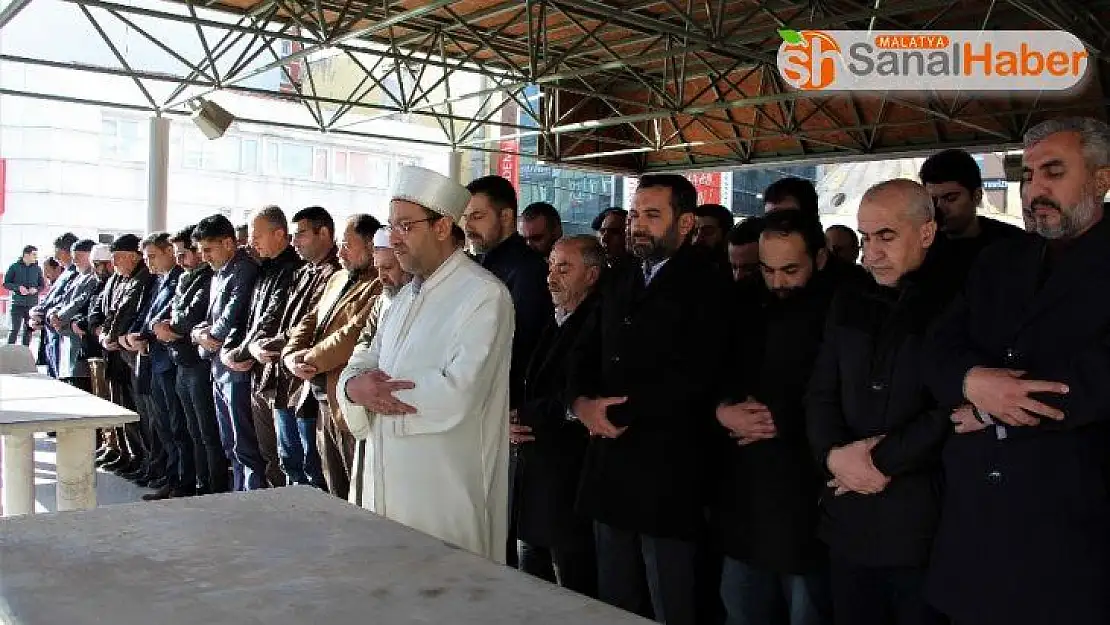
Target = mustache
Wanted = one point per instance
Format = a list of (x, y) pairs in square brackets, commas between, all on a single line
[(1043, 202)]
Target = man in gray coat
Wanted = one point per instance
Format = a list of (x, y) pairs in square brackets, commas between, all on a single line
[(72, 361)]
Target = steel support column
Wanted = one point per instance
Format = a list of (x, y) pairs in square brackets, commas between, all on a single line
[(455, 167), (157, 174)]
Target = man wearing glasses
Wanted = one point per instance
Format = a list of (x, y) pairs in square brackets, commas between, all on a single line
[(430, 392)]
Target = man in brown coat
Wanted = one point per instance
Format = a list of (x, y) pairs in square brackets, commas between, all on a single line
[(314, 241), (321, 344)]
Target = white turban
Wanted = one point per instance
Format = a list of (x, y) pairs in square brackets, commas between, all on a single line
[(432, 190)]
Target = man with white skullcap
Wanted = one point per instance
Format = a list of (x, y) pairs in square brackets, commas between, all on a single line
[(430, 393)]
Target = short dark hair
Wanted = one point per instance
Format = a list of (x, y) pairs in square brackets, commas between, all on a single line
[(365, 225), (846, 229), (600, 219), (212, 228), (800, 189), (274, 215), (84, 245), (29, 249), (185, 237), (244, 228), (952, 165), (788, 222), (317, 217), (499, 191), (746, 232), (52, 262), (65, 241), (160, 240), (684, 196), (536, 210), (715, 211)]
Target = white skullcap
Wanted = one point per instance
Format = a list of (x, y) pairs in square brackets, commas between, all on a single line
[(100, 253), (381, 239), (432, 190)]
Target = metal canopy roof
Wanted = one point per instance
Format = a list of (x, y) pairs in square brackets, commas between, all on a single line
[(627, 85)]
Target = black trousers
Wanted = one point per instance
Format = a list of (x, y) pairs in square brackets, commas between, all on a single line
[(628, 562), (880, 595), (573, 565), (194, 390), (263, 414), (129, 437), (21, 314)]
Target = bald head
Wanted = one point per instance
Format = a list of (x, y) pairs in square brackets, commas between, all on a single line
[(897, 227), (905, 195)]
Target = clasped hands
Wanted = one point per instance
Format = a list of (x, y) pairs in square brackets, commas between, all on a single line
[(853, 469), (748, 422), (374, 390), (1005, 395), (593, 413)]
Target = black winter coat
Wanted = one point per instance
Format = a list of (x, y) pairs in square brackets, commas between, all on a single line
[(868, 380), (766, 509), (548, 469), (650, 344), (1025, 532)]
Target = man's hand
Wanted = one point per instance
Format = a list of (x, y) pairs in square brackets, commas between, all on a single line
[(593, 414), (55, 321), (262, 355), (76, 327), (853, 469), (232, 364), (108, 344), (519, 434), (125, 342), (964, 420), (134, 343), (1005, 396), (207, 342), (24, 290), (749, 421), (296, 365), (164, 333), (374, 390), (33, 291)]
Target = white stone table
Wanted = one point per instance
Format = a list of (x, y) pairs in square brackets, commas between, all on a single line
[(32, 402), (287, 556)]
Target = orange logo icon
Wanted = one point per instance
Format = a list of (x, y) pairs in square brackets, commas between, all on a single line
[(807, 59)]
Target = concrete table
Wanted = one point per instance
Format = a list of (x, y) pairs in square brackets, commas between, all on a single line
[(32, 402), (287, 556)]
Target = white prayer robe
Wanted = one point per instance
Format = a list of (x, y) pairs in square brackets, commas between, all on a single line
[(444, 470)]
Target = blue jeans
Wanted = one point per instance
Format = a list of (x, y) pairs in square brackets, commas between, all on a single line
[(758, 597), (232, 392), (300, 461), (194, 389)]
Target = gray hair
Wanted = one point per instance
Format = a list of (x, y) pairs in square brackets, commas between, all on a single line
[(593, 255), (919, 205), (274, 216), (1094, 137)]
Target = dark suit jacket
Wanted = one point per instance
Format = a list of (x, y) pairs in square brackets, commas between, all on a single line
[(646, 343), (268, 299), (548, 469), (188, 309), (524, 272), (158, 310), (228, 305), (1023, 537)]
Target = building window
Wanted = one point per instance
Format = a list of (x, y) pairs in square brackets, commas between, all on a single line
[(295, 160), (223, 154), (250, 156), (121, 140), (320, 164), (360, 168)]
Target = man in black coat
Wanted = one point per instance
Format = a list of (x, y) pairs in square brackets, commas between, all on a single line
[(953, 179), (269, 237), (1024, 533), (871, 422), (193, 383), (766, 508), (490, 222), (646, 389), (555, 541)]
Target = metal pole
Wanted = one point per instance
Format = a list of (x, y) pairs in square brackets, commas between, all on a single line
[(157, 174), (455, 167)]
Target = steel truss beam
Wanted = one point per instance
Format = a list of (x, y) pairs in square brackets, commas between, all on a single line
[(689, 59)]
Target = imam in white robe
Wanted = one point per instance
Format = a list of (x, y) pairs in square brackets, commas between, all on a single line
[(444, 470)]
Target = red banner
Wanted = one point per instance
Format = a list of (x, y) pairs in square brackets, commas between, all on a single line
[(708, 185), (508, 160)]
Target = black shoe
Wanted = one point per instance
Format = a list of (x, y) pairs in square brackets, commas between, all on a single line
[(125, 464), (179, 493), (158, 483), (165, 492), (108, 458)]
